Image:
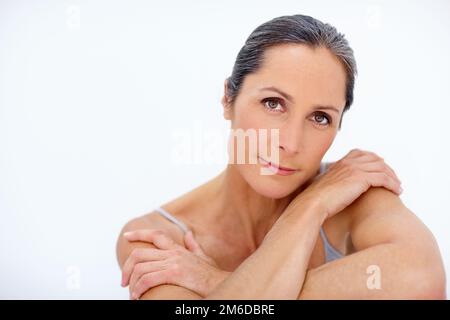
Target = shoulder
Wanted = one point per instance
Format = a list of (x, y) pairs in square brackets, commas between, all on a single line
[(378, 197), (380, 216), (377, 202), (376, 216), (151, 220)]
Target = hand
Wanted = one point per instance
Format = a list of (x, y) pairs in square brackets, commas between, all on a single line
[(345, 180), (169, 263)]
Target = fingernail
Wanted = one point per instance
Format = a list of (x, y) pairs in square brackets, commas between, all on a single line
[(126, 234)]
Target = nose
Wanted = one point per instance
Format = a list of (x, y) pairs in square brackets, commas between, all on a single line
[(290, 138)]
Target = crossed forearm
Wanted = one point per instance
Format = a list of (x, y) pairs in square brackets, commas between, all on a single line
[(277, 269), (384, 271)]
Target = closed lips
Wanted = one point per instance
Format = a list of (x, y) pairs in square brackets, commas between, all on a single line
[(276, 166)]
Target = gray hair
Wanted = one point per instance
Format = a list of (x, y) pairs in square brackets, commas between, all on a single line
[(297, 28)]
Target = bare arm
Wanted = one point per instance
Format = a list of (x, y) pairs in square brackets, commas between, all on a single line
[(277, 269), (124, 249), (397, 256)]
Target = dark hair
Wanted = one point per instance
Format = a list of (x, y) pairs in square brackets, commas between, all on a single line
[(291, 29)]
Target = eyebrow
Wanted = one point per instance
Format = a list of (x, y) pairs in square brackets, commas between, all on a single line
[(284, 94), (291, 99)]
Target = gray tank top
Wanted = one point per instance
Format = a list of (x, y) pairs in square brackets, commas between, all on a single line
[(330, 252)]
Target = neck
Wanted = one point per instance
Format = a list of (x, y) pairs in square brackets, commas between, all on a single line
[(243, 214)]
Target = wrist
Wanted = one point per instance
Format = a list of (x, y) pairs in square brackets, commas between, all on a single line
[(309, 207)]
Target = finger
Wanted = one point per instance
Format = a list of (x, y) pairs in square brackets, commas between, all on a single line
[(192, 244), (393, 172), (382, 179), (137, 256), (157, 237), (148, 280), (141, 269), (368, 156), (357, 155), (379, 166), (354, 152)]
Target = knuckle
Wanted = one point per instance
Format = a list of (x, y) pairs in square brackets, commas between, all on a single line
[(175, 270), (147, 280), (139, 253), (352, 168), (135, 253), (138, 268), (388, 171), (172, 252), (345, 162), (376, 156), (178, 252), (176, 261), (158, 233)]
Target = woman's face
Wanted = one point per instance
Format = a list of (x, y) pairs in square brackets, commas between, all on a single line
[(307, 116)]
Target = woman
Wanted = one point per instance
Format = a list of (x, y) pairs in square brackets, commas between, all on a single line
[(305, 230)]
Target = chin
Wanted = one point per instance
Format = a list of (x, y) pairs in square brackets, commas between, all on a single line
[(273, 193), (272, 186)]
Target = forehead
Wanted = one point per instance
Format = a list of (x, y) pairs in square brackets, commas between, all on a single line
[(304, 72)]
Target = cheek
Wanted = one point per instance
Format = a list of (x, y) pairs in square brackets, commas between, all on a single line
[(317, 143), (325, 144), (247, 117)]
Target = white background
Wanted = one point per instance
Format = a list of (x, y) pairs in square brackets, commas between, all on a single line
[(92, 92)]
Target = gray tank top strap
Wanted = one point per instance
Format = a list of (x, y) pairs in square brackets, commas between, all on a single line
[(170, 217), (323, 167), (330, 252)]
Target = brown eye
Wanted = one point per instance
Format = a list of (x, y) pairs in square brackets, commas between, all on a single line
[(273, 104), (320, 117)]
